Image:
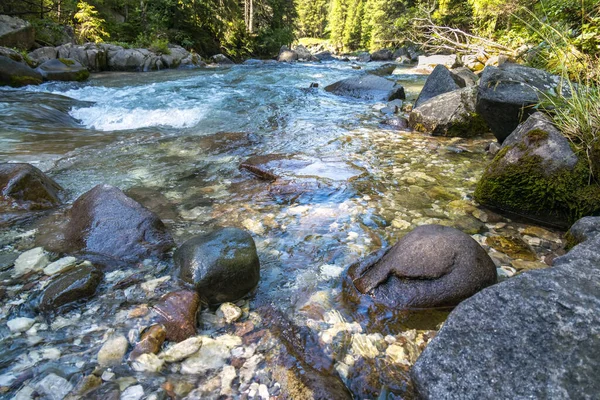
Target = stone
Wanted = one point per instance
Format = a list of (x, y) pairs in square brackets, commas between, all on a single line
[(104, 221), (582, 230), (449, 114), (304, 54), (513, 246), (468, 76), (368, 87), (383, 70), (287, 56), (135, 392), (397, 123), (221, 60), (60, 265), (222, 265), (382, 55), (93, 56), (324, 56), (230, 312), (508, 93), (24, 187), (147, 362), (20, 324), (121, 59), (182, 350), (213, 355), (536, 175), (63, 69), (428, 63), (15, 32), (228, 374), (543, 324), (150, 341), (43, 54), (112, 351), (33, 260), (76, 284), (472, 62), (522, 265), (53, 387), (177, 312), (432, 266), (440, 81)]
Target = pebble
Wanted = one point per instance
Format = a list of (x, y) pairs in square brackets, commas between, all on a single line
[(397, 354), (263, 391), (107, 376), (363, 346), (230, 312), (133, 393), (32, 260), (401, 224), (54, 387), (182, 350), (249, 368), (20, 324), (228, 374), (522, 265), (113, 351), (147, 362), (213, 354), (60, 265), (151, 285)]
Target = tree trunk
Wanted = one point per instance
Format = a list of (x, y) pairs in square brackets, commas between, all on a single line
[(251, 17)]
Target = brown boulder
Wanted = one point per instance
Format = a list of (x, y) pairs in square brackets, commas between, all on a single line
[(24, 187), (177, 313), (150, 341)]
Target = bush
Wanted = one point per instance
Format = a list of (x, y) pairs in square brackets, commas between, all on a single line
[(160, 46)]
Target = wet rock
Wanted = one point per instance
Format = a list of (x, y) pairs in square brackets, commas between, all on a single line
[(230, 312), (53, 387), (107, 391), (398, 123), (221, 60), (24, 187), (468, 76), (522, 265), (63, 69), (177, 312), (135, 392), (213, 355), (222, 265), (537, 175), (91, 55), (432, 266), (382, 55), (20, 324), (112, 351), (16, 74), (15, 32), (105, 221), (440, 81), (383, 70), (150, 342), (76, 284), (33, 260), (513, 246), (182, 350), (582, 230), (543, 324), (287, 56), (507, 94), (449, 114), (147, 362), (60, 265), (428, 63), (367, 87), (304, 54)]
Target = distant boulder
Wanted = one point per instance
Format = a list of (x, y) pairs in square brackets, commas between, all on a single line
[(383, 70), (382, 55), (63, 69), (221, 60), (17, 74), (428, 63), (43, 54), (368, 87), (15, 32), (287, 56), (441, 80)]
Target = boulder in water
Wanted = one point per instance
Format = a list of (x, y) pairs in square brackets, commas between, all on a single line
[(17, 74), (428, 63), (43, 54), (287, 56), (368, 87), (383, 70), (221, 60), (382, 55), (92, 56), (63, 69), (432, 266), (75, 284), (440, 81), (15, 32), (222, 265), (177, 312), (24, 187)]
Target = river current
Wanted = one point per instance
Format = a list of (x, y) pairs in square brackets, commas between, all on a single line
[(174, 140)]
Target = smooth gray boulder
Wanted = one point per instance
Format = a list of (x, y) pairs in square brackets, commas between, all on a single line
[(304, 54), (43, 54), (129, 59), (15, 32), (92, 56), (17, 74), (383, 70), (382, 55), (368, 87), (63, 69), (287, 56), (440, 81), (584, 229), (533, 336), (221, 60)]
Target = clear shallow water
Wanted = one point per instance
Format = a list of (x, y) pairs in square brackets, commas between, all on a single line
[(173, 140)]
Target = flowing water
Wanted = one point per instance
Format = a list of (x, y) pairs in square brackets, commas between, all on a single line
[(173, 140)]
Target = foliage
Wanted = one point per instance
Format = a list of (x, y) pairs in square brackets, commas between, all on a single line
[(91, 27), (312, 17), (160, 46)]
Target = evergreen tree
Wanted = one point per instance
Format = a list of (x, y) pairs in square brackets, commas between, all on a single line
[(91, 27), (337, 21), (312, 17), (353, 27)]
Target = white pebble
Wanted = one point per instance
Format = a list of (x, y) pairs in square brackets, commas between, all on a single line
[(133, 393), (32, 260), (60, 265), (20, 324)]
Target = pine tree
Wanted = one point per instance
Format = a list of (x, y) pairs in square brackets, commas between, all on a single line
[(337, 21), (312, 16), (91, 27), (353, 27)]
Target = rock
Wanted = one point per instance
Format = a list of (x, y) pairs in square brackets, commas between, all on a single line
[(95, 56), (147, 362), (106, 391), (24, 187), (522, 265), (151, 341), (15, 32), (432, 266), (105, 221), (582, 230), (182, 350), (63, 69), (304, 54), (383, 70), (135, 392), (230, 312), (428, 63), (472, 62), (112, 351), (287, 56), (222, 265), (33, 260), (59, 266), (221, 60), (76, 284), (398, 123), (512, 246), (535, 323), (16, 74), (367, 87), (43, 54), (449, 114), (53, 387), (177, 312), (20, 324), (507, 94), (440, 81), (496, 61), (382, 55), (324, 56), (537, 175), (129, 59), (363, 57), (213, 355), (466, 74)]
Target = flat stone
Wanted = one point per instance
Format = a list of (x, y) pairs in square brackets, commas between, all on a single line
[(182, 350), (147, 362), (213, 354), (20, 324), (76, 284), (60, 265), (113, 351), (177, 312), (522, 265), (53, 387), (133, 393), (230, 312), (33, 260)]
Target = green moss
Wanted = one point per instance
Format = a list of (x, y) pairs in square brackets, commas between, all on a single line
[(82, 75), (18, 81), (472, 125), (67, 62), (536, 135)]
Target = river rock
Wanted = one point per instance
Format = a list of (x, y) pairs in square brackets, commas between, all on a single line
[(440, 81), (582, 230), (177, 312), (537, 175), (147, 362), (222, 265), (112, 351), (383, 70), (53, 387), (221, 60), (367, 87), (150, 341), (20, 324), (324, 56), (128, 59), (304, 54), (63, 69), (543, 324), (17, 74), (428, 63), (15, 32), (182, 350), (76, 284), (432, 266), (507, 94), (287, 56), (105, 221), (382, 55), (468, 76), (33, 260), (24, 187), (60, 265), (449, 114), (43, 54), (91, 55), (213, 354)]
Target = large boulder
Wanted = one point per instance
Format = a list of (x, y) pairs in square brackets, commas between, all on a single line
[(24, 187), (383, 70), (382, 55), (449, 114), (17, 74), (43, 54), (75, 284), (440, 81), (128, 59), (428, 63), (287, 56), (15, 32), (533, 336), (507, 94), (221, 60), (536, 174), (468, 76), (432, 266), (104, 221), (367, 87), (222, 265), (92, 56), (304, 54), (63, 69)]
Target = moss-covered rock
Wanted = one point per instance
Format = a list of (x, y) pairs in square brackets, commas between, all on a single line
[(17, 74), (539, 176), (63, 69)]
